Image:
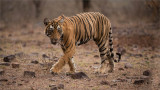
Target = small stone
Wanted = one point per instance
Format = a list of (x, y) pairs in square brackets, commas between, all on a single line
[(138, 82), (104, 83), (9, 58), (78, 75), (5, 63), (20, 84), (3, 80), (1, 49), (146, 73), (96, 56), (128, 65), (113, 85), (1, 71), (60, 86), (29, 74), (45, 56), (35, 62), (53, 87), (120, 69), (15, 65)]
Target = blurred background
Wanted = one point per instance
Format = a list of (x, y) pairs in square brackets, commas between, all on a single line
[(23, 12)]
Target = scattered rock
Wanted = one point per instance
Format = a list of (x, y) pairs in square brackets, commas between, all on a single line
[(53, 87), (20, 84), (138, 55), (15, 65), (113, 85), (1, 49), (29, 74), (96, 56), (138, 82), (5, 63), (146, 73), (45, 56), (9, 58), (1, 71), (60, 86), (128, 65), (78, 75), (34, 62), (104, 83), (120, 69), (14, 82), (3, 80), (120, 80)]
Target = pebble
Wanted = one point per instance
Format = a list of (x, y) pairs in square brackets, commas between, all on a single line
[(1, 72), (9, 58), (5, 63), (15, 65), (34, 62), (60, 86), (29, 73), (146, 73)]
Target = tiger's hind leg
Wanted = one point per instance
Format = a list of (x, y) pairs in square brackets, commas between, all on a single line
[(106, 60)]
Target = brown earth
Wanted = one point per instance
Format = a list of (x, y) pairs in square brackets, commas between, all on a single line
[(139, 68)]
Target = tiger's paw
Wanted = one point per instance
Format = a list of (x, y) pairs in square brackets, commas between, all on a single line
[(54, 71)]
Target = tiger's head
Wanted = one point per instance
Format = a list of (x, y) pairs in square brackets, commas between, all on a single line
[(53, 29)]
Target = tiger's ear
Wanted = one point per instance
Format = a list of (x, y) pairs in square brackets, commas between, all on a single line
[(46, 21), (62, 19)]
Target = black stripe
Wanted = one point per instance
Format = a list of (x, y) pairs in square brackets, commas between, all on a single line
[(100, 43), (103, 61), (103, 50), (102, 54), (110, 43), (110, 40), (66, 41), (101, 47), (102, 27), (112, 55), (90, 28), (69, 44)]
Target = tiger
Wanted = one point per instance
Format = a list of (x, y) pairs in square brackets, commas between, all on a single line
[(69, 32)]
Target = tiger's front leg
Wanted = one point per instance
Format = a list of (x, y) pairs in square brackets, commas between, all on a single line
[(67, 58), (58, 66)]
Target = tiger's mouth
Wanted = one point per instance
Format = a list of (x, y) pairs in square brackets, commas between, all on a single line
[(54, 42)]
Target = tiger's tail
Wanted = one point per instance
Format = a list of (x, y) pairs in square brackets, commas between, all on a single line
[(111, 48)]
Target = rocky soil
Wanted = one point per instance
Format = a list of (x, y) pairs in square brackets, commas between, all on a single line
[(26, 56)]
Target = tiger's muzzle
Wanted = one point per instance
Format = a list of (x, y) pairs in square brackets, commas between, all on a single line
[(54, 41)]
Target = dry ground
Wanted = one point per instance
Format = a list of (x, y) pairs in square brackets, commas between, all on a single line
[(138, 69)]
